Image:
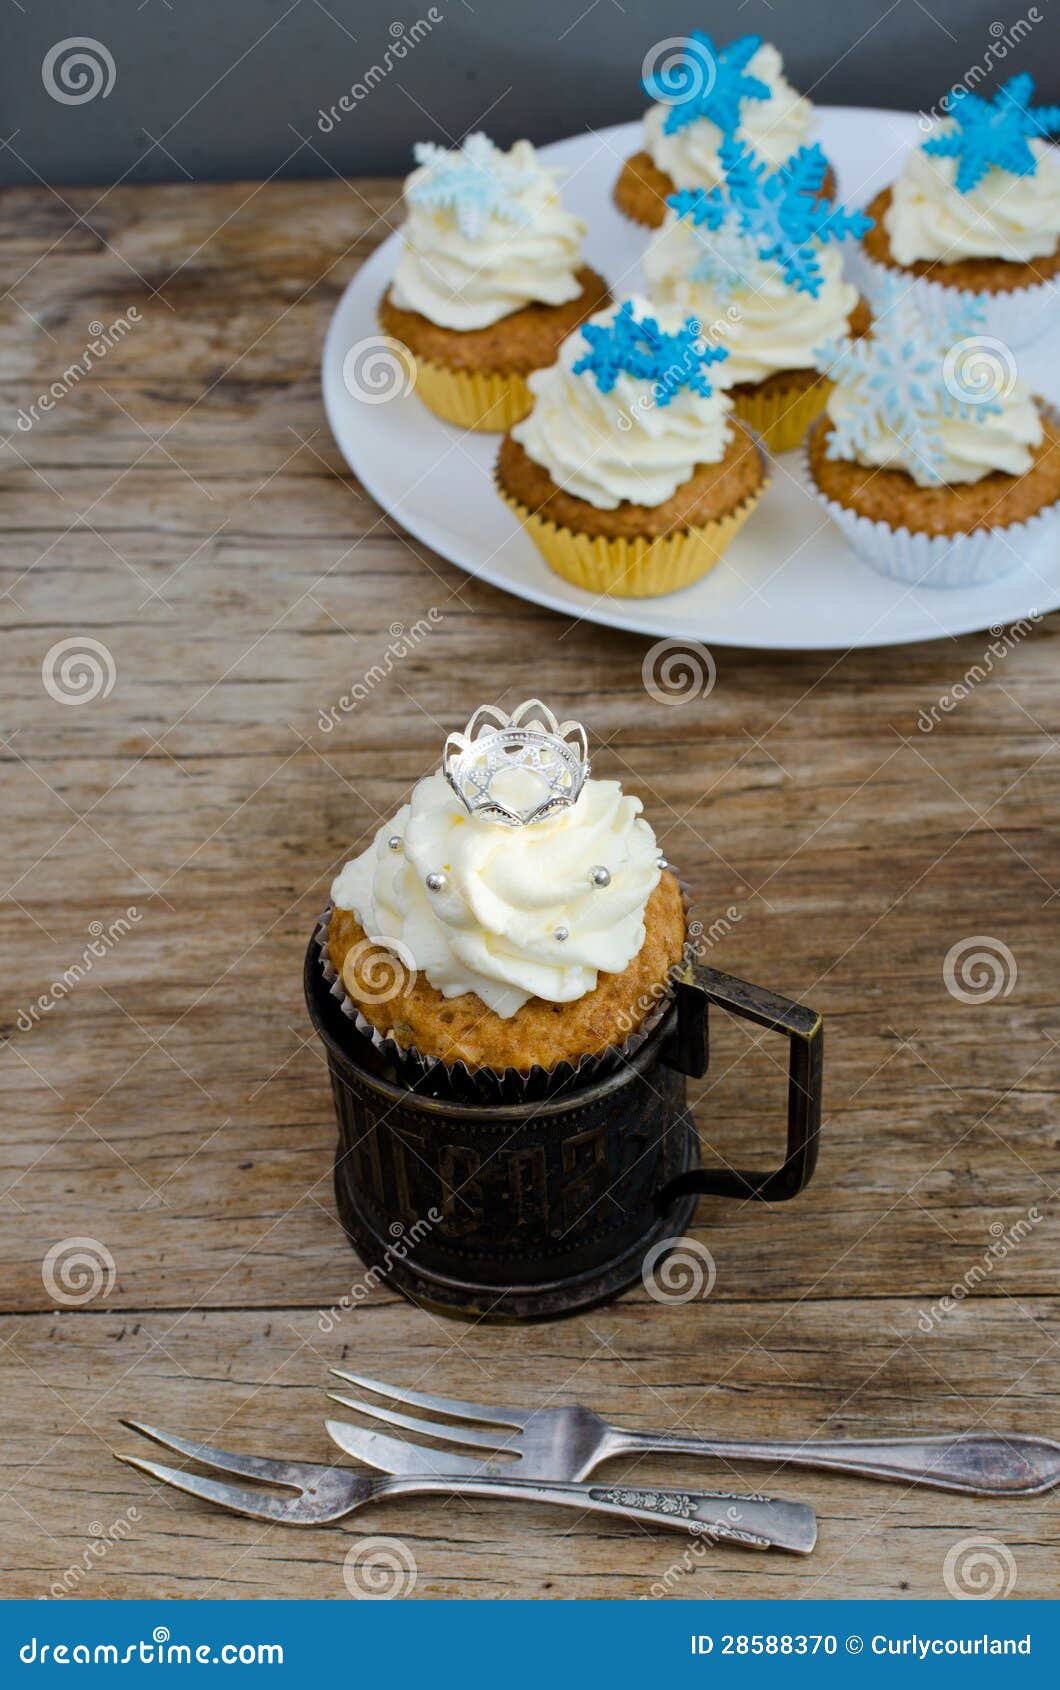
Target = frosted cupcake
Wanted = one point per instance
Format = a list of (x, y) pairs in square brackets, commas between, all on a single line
[(756, 262), (933, 457), (515, 914), (489, 281), (976, 210), (629, 474), (701, 94)]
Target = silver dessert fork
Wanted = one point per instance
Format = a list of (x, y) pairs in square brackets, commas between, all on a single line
[(568, 1443), (322, 1494)]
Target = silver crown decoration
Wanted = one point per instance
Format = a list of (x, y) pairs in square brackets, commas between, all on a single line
[(529, 741)]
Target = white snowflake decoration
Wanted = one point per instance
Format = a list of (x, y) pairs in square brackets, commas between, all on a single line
[(474, 184), (895, 377)]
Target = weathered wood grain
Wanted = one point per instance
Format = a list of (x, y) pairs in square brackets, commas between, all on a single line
[(184, 505)]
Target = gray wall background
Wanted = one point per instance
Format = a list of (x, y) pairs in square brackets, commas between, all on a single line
[(234, 88)]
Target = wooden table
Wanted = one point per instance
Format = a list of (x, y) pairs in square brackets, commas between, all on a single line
[(183, 505)]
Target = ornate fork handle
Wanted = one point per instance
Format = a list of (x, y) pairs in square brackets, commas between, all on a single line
[(982, 1463), (757, 1522)]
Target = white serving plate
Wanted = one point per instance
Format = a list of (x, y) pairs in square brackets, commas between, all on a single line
[(788, 581)]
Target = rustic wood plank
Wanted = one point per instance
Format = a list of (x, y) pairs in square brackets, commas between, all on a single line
[(184, 504)]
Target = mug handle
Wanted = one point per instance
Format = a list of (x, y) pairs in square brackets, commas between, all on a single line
[(689, 1052)]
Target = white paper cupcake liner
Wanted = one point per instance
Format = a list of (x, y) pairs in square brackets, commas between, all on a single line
[(1016, 316), (488, 1085), (942, 560)]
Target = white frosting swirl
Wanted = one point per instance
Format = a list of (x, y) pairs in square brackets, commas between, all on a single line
[(492, 930), (766, 324), (775, 128), (461, 282), (973, 445), (606, 447), (1003, 216)]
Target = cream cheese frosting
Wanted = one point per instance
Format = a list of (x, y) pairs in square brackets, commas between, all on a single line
[(623, 444), (492, 927), (765, 324), (524, 248), (972, 444), (1004, 216), (775, 128)]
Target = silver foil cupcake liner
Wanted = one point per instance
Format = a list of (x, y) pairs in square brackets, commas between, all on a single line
[(941, 560), (1016, 316), (511, 1085)]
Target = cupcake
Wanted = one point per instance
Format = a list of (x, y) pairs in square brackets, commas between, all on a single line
[(490, 279), (933, 457), (702, 94), (976, 210), (515, 915), (753, 261), (629, 474)]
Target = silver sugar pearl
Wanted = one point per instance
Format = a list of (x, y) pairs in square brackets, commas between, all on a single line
[(663, 863), (437, 882), (600, 876), (395, 842), (561, 933)]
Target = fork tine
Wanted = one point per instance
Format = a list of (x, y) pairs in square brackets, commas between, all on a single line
[(258, 1505), (225, 1461), (465, 1437), (393, 1455), (437, 1405)]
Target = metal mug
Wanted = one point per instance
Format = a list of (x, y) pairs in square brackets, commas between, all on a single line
[(527, 1211)]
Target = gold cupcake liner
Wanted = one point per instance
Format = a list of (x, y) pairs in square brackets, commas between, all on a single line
[(641, 567), (490, 400), (782, 416)]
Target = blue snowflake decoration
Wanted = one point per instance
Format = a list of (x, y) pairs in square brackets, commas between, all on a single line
[(779, 212), (638, 347), (474, 183), (707, 81), (993, 134), (899, 378)]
